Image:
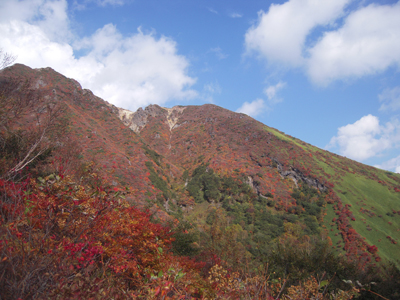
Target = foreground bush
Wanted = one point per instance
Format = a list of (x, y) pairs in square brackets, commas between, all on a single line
[(62, 240)]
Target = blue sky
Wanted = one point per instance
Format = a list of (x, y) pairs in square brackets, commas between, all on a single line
[(326, 72)]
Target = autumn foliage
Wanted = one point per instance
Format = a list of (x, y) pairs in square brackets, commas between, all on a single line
[(217, 206), (62, 240)]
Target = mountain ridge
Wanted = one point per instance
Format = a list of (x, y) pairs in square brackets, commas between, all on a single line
[(296, 173), (155, 152)]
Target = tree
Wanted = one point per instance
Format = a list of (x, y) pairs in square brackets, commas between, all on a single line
[(6, 59), (21, 104)]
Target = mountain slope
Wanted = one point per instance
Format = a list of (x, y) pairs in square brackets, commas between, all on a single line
[(360, 197), (181, 161), (94, 138)]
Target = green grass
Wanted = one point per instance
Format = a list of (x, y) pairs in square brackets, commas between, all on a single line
[(360, 192), (326, 167), (368, 194), (286, 138)]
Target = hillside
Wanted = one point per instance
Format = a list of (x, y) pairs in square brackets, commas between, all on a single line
[(239, 189), (359, 197), (93, 134)]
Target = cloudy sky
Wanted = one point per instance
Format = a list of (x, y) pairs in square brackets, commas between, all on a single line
[(324, 71)]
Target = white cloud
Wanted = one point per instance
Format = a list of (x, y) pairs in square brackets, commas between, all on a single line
[(366, 138), (49, 15), (235, 15), (212, 88), (129, 71), (390, 99), (210, 9), (280, 33), (272, 90), (253, 108), (81, 4), (209, 90), (392, 164), (368, 43), (33, 47), (139, 69), (218, 52), (259, 106), (110, 2)]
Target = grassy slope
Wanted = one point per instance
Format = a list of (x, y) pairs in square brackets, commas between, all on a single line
[(368, 194), (376, 200), (334, 233)]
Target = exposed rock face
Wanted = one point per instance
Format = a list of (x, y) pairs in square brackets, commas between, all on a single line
[(297, 175), (173, 115), (255, 186), (138, 120)]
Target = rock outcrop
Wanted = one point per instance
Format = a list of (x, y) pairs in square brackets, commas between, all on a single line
[(296, 175), (138, 120)]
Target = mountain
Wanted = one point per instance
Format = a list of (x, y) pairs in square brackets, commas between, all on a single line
[(202, 164), (363, 202)]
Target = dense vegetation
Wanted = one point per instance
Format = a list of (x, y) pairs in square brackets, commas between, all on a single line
[(219, 208), (60, 239)]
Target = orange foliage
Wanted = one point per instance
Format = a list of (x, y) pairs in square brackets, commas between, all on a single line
[(61, 239)]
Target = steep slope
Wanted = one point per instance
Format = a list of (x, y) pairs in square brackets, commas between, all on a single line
[(363, 202), (184, 160), (94, 138)]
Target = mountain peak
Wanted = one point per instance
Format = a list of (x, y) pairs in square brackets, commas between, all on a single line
[(138, 120), (174, 145)]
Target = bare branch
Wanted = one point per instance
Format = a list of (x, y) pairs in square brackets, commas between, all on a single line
[(28, 159), (6, 59), (43, 125)]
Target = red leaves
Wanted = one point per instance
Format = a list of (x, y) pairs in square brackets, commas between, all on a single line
[(373, 249), (81, 229), (354, 243), (391, 239)]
